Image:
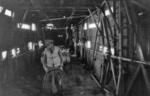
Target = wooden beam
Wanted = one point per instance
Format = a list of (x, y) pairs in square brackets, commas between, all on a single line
[(140, 4), (115, 22), (125, 59), (141, 56), (120, 44), (62, 18), (113, 73), (51, 8), (132, 80)]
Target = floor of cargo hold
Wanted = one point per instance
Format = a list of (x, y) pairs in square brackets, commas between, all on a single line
[(76, 82)]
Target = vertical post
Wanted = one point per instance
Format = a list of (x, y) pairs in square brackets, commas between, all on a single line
[(95, 43), (120, 50), (109, 48), (143, 68), (22, 21), (109, 8)]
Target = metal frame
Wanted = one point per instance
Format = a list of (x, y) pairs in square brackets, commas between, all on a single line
[(117, 73)]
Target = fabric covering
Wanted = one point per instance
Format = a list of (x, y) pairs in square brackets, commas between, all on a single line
[(51, 81)]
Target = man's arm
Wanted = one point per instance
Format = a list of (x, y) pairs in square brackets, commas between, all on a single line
[(43, 60), (61, 57)]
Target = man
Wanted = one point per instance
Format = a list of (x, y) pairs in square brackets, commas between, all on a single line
[(52, 63)]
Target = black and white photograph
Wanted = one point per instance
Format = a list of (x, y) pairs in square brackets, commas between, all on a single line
[(74, 47)]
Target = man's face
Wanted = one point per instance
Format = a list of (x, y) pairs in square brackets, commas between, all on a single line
[(49, 44)]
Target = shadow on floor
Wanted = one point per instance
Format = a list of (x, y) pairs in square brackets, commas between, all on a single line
[(76, 82)]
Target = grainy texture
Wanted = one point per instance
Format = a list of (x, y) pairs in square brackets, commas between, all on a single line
[(76, 82)]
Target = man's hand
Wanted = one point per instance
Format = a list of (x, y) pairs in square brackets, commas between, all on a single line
[(54, 68), (51, 68)]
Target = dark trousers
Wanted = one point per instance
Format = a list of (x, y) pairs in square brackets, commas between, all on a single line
[(51, 81)]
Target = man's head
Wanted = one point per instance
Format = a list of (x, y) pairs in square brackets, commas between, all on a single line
[(49, 43)]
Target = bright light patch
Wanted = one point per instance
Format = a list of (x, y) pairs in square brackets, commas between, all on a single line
[(8, 12), (4, 55), (26, 26), (112, 51), (92, 25), (30, 45), (33, 27), (23, 26), (107, 12), (105, 50), (13, 52), (49, 26), (141, 13), (18, 51), (100, 48), (85, 26), (88, 44), (40, 44), (1, 9), (18, 25)]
